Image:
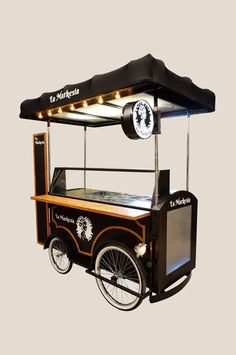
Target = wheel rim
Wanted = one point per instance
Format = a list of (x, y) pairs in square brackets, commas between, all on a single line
[(58, 255), (117, 265)]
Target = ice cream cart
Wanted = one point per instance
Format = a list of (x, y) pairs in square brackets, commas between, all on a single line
[(135, 245)]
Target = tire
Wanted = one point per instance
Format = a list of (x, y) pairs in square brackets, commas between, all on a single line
[(119, 264), (58, 255)]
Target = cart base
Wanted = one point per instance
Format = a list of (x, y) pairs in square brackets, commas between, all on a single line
[(152, 298), (166, 294)]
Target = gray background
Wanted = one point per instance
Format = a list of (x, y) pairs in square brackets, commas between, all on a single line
[(47, 44)]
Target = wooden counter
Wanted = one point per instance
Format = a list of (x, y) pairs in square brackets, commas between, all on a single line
[(112, 210)]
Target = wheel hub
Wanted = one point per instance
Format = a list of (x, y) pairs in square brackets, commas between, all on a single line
[(114, 278), (119, 275), (59, 254)]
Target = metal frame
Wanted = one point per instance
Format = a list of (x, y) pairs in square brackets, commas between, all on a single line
[(49, 155), (188, 147), (160, 294), (152, 297), (118, 286), (94, 116), (108, 169), (156, 157), (85, 154), (57, 171), (159, 232)]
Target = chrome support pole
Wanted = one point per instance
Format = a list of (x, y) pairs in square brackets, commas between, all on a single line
[(188, 145), (49, 154), (157, 172), (85, 154), (156, 157)]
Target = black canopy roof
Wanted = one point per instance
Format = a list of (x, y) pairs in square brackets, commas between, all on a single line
[(99, 101)]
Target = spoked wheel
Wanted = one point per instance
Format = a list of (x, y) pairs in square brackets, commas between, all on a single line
[(118, 264), (58, 255)]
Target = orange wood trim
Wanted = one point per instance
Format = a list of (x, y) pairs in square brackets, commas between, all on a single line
[(36, 213), (36, 217), (142, 239), (119, 228), (72, 236), (143, 226), (115, 211)]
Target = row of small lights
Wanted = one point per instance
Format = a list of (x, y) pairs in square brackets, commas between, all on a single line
[(72, 106)]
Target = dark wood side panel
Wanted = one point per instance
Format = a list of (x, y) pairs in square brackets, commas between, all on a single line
[(41, 185)]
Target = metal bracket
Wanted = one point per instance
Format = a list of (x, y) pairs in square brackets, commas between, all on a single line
[(142, 296)]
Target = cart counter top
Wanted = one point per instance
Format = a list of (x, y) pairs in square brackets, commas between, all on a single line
[(116, 211)]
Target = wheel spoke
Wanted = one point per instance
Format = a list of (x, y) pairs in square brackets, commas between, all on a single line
[(128, 294), (109, 266), (113, 261), (110, 257), (117, 253), (128, 267), (122, 262)]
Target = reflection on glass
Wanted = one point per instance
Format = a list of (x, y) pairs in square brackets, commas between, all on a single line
[(67, 182), (178, 248)]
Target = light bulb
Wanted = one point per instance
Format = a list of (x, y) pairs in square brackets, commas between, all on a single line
[(85, 104), (49, 113), (100, 100), (140, 249), (59, 110), (72, 107), (40, 115), (117, 95)]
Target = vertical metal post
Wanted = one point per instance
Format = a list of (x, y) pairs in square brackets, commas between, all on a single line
[(85, 154), (156, 194), (49, 155), (188, 144), (156, 157)]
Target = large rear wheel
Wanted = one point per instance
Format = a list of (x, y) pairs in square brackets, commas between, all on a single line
[(120, 265)]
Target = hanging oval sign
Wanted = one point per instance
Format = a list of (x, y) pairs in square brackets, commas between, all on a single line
[(137, 120)]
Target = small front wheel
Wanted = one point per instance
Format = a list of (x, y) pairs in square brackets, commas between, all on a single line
[(118, 264), (58, 255)]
